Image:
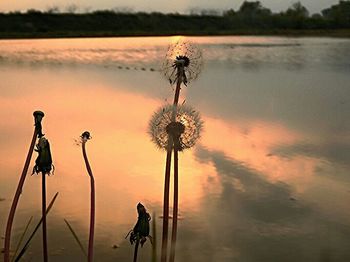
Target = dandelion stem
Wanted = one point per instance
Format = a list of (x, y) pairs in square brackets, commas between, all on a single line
[(180, 72), (92, 204), (16, 199), (175, 208), (154, 244), (45, 253), (166, 203)]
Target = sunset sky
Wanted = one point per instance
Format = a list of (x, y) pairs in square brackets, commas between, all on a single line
[(158, 5)]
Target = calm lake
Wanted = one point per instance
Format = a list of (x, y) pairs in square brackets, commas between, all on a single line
[(268, 180)]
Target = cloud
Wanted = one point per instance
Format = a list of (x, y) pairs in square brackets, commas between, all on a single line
[(258, 221), (335, 152)]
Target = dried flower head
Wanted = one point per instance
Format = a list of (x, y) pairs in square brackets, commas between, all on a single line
[(183, 55), (185, 129)]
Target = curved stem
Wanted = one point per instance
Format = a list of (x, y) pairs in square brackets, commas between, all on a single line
[(43, 197), (16, 199), (166, 205), (92, 205), (175, 208)]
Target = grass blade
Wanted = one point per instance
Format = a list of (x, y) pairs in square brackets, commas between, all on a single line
[(21, 238), (76, 238), (24, 249)]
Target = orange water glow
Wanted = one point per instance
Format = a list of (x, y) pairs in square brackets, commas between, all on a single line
[(125, 162), (252, 145)]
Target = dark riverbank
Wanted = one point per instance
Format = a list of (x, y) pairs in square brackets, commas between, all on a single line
[(251, 19), (345, 33)]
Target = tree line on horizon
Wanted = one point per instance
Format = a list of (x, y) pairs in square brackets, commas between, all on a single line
[(252, 16)]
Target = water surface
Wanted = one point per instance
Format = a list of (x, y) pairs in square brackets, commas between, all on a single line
[(268, 181)]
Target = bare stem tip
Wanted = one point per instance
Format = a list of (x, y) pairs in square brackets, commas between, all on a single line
[(38, 115), (86, 135)]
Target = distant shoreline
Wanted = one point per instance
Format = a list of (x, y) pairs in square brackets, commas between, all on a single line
[(250, 19), (338, 33)]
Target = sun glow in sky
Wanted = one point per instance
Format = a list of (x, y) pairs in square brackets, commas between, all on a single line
[(157, 5)]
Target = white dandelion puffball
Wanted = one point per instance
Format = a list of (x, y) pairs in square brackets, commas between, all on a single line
[(185, 128), (186, 54)]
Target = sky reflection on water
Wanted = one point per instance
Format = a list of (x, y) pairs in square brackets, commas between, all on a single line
[(268, 181)]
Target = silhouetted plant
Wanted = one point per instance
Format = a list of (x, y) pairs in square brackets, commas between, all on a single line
[(178, 127), (84, 138), (183, 63), (140, 232), (185, 129), (43, 165), (38, 116)]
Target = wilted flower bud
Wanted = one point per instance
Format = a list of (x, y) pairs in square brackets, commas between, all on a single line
[(140, 232), (43, 163)]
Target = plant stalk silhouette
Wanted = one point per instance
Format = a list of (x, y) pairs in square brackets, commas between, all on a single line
[(178, 133), (38, 115), (182, 64), (43, 209), (85, 137), (43, 165), (180, 70), (180, 79), (140, 232)]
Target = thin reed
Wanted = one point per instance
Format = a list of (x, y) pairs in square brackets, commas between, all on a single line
[(76, 238)]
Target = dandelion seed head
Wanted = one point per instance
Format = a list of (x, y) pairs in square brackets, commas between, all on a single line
[(186, 54), (185, 128)]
